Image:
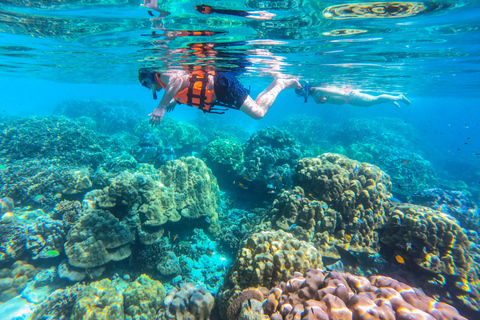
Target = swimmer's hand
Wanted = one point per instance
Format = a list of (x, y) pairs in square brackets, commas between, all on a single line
[(156, 116)]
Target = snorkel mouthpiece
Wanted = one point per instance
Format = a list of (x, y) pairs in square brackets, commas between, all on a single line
[(306, 88)]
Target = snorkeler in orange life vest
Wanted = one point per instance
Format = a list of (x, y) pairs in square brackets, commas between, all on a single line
[(208, 90)]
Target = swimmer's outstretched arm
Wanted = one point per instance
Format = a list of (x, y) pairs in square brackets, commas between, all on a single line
[(173, 85)]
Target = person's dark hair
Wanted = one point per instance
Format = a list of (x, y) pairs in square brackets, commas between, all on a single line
[(146, 77)]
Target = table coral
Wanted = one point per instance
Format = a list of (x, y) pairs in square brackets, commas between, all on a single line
[(355, 194), (332, 295), (440, 249), (96, 238), (266, 258)]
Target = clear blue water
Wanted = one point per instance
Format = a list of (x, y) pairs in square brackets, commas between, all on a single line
[(52, 51)]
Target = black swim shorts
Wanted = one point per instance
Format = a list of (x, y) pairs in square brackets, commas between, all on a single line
[(229, 90)]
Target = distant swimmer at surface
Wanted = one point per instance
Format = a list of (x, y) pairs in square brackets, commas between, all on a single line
[(209, 91), (346, 96)]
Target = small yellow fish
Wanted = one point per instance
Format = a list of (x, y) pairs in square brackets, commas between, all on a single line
[(168, 234), (175, 237), (348, 237), (399, 259)]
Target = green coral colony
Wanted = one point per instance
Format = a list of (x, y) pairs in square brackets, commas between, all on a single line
[(203, 221)]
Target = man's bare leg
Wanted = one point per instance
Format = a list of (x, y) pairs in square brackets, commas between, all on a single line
[(258, 108)]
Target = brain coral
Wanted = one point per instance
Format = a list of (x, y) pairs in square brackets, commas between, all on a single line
[(435, 243), (332, 295), (97, 238), (266, 258), (358, 192)]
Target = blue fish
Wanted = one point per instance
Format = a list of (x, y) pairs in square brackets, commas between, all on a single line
[(395, 200), (299, 198), (292, 226)]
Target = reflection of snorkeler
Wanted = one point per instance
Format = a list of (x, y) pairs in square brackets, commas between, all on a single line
[(341, 96), (206, 90), (259, 15)]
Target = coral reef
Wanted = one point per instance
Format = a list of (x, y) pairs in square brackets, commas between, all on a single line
[(99, 300), (45, 238), (270, 157), (223, 156), (97, 238), (42, 183), (264, 259), (143, 298), (438, 249), (187, 302), (306, 128), (183, 137), (14, 279), (332, 295), (343, 201), (379, 131), (108, 116), (456, 203), (151, 149), (213, 128), (408, 171), (104, 299), (12, 242), (182, 189), (52, 137), (169, 265)]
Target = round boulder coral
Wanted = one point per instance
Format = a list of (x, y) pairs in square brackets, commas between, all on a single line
[(266, 258), (332, 295), (357, 195), (438, 249), (97, 238)]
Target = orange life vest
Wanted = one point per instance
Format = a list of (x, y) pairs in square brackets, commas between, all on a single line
[(196, 94)]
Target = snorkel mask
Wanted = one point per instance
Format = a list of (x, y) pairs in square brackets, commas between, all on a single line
[(303, 92), (148, 81)]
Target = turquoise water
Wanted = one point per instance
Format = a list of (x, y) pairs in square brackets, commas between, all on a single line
[(75, 162)]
